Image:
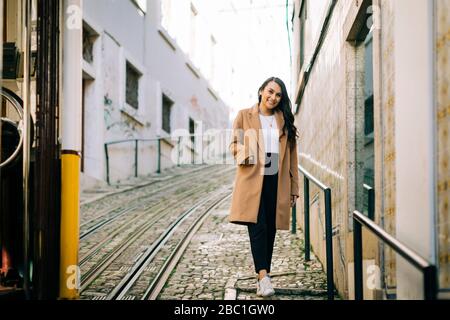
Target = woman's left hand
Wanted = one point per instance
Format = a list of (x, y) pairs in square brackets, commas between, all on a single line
[(293, 200)]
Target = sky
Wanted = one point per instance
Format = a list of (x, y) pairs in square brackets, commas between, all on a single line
[(255, 35)]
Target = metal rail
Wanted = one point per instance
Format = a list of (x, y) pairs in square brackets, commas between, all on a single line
[(106, 260), (100, 224), (328, 226), (158, 140), (160, 280), (124, 227), (127, 282), (94, 272), (428, 270), (113, 194)]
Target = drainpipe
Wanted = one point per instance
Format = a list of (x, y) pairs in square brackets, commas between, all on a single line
[(71, 146)]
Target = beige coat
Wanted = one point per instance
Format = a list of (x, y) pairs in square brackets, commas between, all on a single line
[(247, 147)]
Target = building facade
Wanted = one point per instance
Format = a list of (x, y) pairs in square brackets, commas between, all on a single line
[(150, 69), (371, 89)]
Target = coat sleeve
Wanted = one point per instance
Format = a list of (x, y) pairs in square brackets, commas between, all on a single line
[(294, 171), (240, 152)]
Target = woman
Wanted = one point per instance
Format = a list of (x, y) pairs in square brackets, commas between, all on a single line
[(266, 184)]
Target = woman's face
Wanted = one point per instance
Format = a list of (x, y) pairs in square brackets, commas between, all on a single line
[(271, 95)]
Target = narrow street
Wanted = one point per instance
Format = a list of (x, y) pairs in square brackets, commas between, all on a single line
[(217, 262)]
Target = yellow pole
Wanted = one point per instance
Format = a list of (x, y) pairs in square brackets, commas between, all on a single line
[(69, 272), (72, 51)]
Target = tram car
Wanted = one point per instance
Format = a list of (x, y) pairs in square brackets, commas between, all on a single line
[(37, 189)]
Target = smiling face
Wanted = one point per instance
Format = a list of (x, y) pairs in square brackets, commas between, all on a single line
[(271, 95)]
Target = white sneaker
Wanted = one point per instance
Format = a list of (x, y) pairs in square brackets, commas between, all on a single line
[(264, 287)]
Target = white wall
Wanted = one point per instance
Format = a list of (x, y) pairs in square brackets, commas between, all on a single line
[(414, 138), (126, 34)]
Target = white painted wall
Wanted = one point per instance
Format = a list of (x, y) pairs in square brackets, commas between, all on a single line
[(125, 33), (414, 138), (93, 153)]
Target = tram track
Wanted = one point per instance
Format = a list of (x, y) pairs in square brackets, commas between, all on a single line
[(121, 196), (132, 204), (138, 269), (100, 266), (158, 210)]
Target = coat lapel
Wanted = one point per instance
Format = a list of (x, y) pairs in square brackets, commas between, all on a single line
[(255, 124)]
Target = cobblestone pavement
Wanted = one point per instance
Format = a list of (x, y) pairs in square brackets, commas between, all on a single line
[(116, 245), (218, 265)]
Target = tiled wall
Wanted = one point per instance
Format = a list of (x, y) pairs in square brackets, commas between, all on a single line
[(327, 146), (385, 136), (327, 121), (322, 122), (443, 150)]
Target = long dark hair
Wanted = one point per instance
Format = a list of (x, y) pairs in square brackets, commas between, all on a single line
[(285, 107)]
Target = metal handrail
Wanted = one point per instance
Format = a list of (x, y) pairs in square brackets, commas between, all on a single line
[(136, 142), (166, 137), (328, 226), (428, 269)]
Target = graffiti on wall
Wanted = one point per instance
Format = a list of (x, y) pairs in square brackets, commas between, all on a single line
[(120, 122)]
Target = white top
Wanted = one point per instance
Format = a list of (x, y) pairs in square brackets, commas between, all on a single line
[(270, 134)]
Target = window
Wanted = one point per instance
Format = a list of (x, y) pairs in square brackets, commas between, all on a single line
[(192, 132), (368, 155), (192, 129), (132, 86), (368, 85), (303, 17), (362, 38), (88, 45), (167, 109)]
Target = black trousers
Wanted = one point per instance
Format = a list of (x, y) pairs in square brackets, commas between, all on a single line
[(262, 234)]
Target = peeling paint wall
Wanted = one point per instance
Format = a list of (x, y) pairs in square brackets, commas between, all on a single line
[(126, 35)]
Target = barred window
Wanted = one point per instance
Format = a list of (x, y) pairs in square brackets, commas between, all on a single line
[(167, 109), (132, 83), (88, 45), (192, 129)]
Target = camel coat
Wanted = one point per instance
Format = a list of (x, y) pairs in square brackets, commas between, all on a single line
[(247, 148)]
